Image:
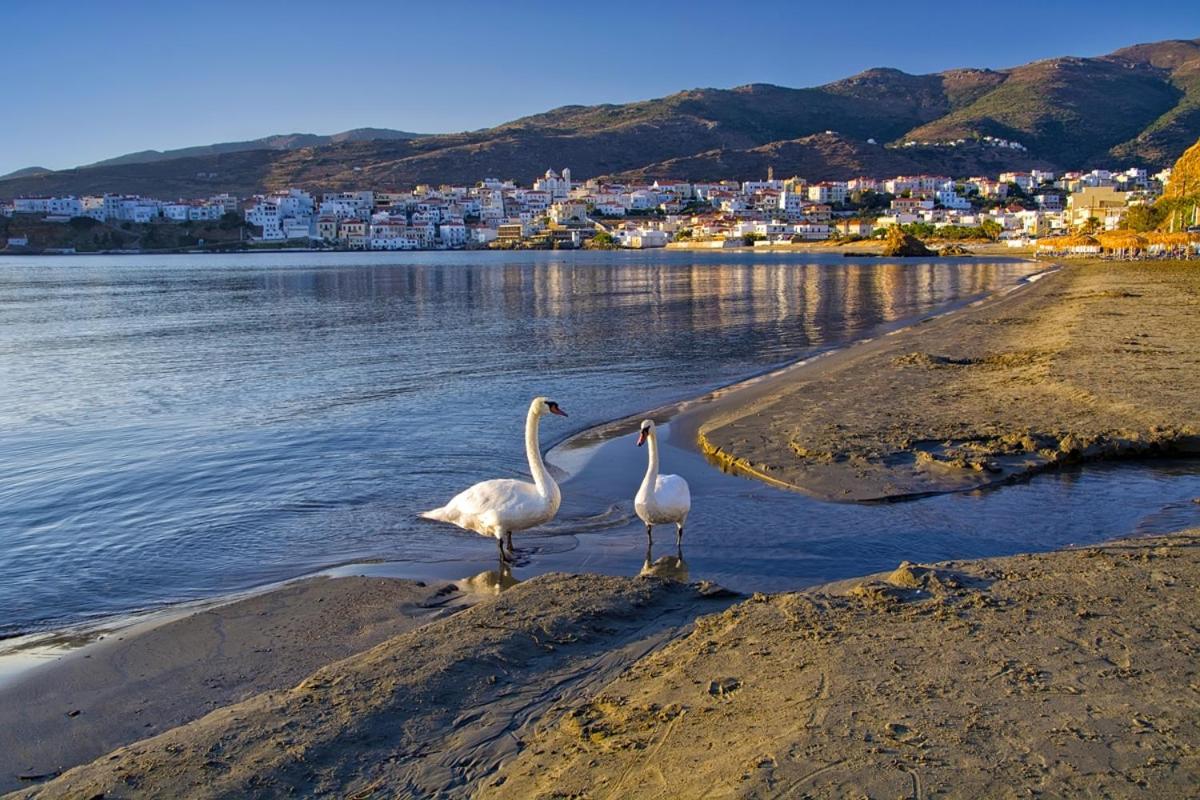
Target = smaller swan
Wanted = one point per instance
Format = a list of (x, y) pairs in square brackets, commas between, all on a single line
[(662, 499), (499, 507)]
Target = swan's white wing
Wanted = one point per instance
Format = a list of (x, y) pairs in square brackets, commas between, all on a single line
[(495, 506), (672, 497)]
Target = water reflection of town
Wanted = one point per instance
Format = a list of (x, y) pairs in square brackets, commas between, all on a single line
[(790, 305)]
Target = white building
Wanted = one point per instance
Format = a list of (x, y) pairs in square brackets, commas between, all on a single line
[(951, 199), (453, 233), (31, 205), (792, 204), (557, 187)]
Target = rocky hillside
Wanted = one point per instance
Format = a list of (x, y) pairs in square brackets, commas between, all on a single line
[(1140, 105), (286, 141), (1178, 206)]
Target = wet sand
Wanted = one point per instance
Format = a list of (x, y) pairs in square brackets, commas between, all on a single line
[(427, 713), (137, 682), (1097, 360)]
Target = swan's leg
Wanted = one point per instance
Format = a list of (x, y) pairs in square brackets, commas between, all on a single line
[(503, 555), (679, 536), (508, 538), (649, 534)]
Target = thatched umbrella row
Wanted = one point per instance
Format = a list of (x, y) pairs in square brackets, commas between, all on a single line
[(1121, 243)]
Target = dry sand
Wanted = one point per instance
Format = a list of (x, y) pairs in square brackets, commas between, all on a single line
[(1098, 360), (1068, 674)]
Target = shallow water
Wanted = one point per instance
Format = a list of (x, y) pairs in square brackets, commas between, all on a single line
[(180, 427)]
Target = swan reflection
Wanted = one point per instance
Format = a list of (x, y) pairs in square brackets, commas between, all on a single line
[(669, 568), (492, 581)]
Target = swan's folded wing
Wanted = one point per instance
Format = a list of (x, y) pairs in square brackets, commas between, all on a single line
[(494, 506), (671, 492)]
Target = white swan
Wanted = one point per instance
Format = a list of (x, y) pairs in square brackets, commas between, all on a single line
[(661, 499), (499, 507)]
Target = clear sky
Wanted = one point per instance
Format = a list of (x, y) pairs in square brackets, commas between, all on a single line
[(86, 80)]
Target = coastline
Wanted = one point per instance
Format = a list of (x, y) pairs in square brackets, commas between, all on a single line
[(1065, 672), (150, 673), (1087, 363), (575, 683), (689, 415)]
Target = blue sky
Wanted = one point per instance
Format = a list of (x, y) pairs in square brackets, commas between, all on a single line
[(87, 80)]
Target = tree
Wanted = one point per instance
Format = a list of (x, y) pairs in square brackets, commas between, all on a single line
[(991, 229), (603, 239), (749, 239), (1143, 218), (922, 230), (868, 200), (1090, 226), (229, 221)]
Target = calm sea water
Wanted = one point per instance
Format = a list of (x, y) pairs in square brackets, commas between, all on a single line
[(179, 427)]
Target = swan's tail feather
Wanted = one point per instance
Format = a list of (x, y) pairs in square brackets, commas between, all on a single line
[(443, 514)]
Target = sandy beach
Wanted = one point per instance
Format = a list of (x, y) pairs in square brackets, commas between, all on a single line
[(135, 682), (1065, 674), (1094, 361), (1054, 674)]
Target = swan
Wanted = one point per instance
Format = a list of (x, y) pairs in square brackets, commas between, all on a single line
[(499, 507), (661, 499)]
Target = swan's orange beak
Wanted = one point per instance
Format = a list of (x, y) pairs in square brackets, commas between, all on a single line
[(554, 409), (641, 438)]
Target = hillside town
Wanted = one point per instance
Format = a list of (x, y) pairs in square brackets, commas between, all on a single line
[(1016, 208)]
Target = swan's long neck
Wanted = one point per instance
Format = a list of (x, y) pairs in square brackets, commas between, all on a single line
[(652, 467), (533, 451)]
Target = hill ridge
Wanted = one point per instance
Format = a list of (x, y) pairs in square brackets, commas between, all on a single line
[(1137, 106)]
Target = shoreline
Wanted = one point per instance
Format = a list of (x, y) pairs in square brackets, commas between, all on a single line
[(688, 415), (566, 682), (683, 410), (1018, 383), (506, 688), (869, 248), (152, 672)]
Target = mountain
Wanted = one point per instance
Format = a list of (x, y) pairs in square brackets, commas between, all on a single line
[(286, 141), (1137, 106), (25, 173), (830, 156)]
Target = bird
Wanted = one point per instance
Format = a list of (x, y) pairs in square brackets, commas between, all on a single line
[(503, 505), (661, 499)]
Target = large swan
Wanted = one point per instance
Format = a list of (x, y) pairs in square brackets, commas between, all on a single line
[(662, 499), (499, 507)]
